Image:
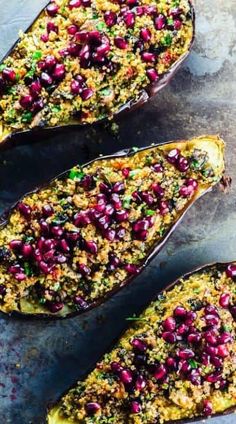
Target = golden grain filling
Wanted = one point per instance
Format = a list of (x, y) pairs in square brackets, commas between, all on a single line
[(83, 60), (177, 361), (68, 245)]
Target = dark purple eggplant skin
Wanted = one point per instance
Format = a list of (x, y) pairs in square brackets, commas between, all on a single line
[(231, 410), (146, 94), (4, 218)]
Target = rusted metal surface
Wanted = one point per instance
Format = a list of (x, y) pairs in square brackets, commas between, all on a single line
[(38, 359)]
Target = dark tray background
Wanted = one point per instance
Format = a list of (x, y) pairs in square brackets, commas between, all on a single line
[(39, 359)]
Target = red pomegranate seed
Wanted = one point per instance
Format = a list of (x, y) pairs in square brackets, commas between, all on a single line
[(195, 377), (131, 269), (141, 225), (212, 320), (135, 407), (177, 24), (186, 353), (182, 329), (26, 101), (222, 351), (140, 10), (110, 18), (139, 345), (74, 3), (52, 9), (80, 302), (35, 88), (15, 244), (152, 74), (182, 164), (210, 309), (140, 383), (217, 362), (121, 215), (145, 34), (92, 408), (91, 247), (211, 350), (125, 172), (50, 62), (116, 367), (160, 372), (46, 79), (211, 337), (225, 338), (175, 12), (57, 231), (126, 376), (47, 211), (184, 366), (194, 338), (64, 246), (14, 269), (3, 290), (224, 300), (157, 167), (27, 250), (9, 75), (207, 408), (109, 234), (86, 3), (180, 312), (160, 22), (231, 271), (171, 363), (20, 276), (190, 317), (129, 19), (44, 267), (84, 269), (76, 87), (86, 94), (169, 337), (148, 57), (25, 210), (44, 38), (55, 307), (121, 43), (169, 324), (59, 72), (205, 359), (72, 29), (214, 377), (157, 189), (147, 197), (118, 187), (51, 27)]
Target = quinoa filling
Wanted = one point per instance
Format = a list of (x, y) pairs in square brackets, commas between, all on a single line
[(177, 361), (68, 245), (83, 60)]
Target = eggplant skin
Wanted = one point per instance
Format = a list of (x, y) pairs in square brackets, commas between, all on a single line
[(55, 242), (31, 101), (137, 384)]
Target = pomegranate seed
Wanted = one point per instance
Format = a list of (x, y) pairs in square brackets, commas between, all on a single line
[(50, 62), (210, 309), (147, 198), (150, 10), (224, 300), (109, 234), (194, 338), (145, 34), (43, 266), (148, 57), (27, 250), (126, 376), (55, 307), (72, 29), (64, 246), (81, 219), (26, 101), (20, 276), (76, 87), (121, 215), (207, 408), (157, 167), (173, 156), (72, 236), (35, 88), (160, 372), (140, 225), (210, 350), (44, 227), (171, 363), (86, 3), (175, 12), (139, 345), (131, 269), (25, 210), (169, 337), (109, 210), (92, 407), (140, 383), (116, 367), (222, 351), (15, 244), (9, 75), (160, 22), (52, 9), (37, 255), (86, 94), (135, 407), (47, 211), (157, 189), (44, 38), (129, 19), (217, 362), (46, 79), (177, 24), (57, 231), (91, 247), (3, 290), (169, 324), (121, 232), (114, 262), (186, 353), (190, 317), (118, 187), (214, 377), (205, 359), (51, 27), (184, 366), (195, 377), (231, 271), (180, 312), (110, 18), (116, 201), (212, 320), (59, 72), (84, 269), (182, 329), (152, 74), (140, 10), (182, 164), (125, 172), (225, 338), (74, 3), (80, 302), (121, 43), (14, 269), (211, 337)]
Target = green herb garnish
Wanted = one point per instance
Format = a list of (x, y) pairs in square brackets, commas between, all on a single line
[(150, 212), (27, 117), (76, 174), (37, 55), (167, 40), (28, 270), (193, 363)]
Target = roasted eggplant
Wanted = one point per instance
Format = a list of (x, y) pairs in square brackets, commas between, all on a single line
[(85, 60), (176, 363), (66, 247)]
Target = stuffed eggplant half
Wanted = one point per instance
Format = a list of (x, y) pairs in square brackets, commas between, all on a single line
[(66, 247), (85, 60), (177, 361)]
